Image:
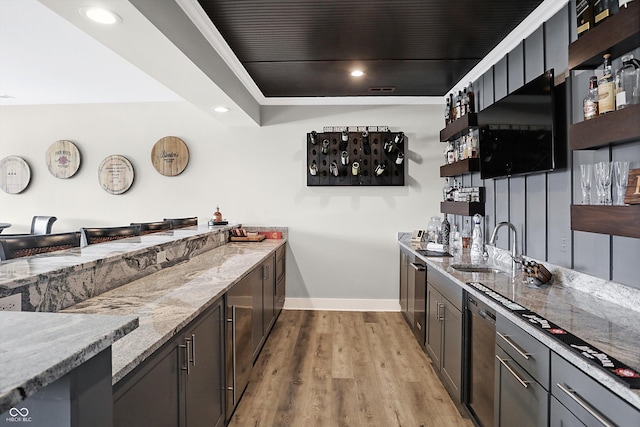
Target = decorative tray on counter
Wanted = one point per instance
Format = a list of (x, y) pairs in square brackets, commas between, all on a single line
[(258, 238)]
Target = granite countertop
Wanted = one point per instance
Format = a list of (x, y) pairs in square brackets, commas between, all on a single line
[(37, 349), (612, 328), (169, 299)]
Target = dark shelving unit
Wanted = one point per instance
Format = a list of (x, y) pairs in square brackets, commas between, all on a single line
[(614, 220), (617, 127), (459, 126), (617, 35), (462, 208), (460, 167)]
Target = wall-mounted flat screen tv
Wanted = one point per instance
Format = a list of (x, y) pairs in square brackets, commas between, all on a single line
[(518, 133)]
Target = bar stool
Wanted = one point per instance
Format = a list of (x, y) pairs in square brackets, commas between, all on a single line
[(42, 224), (182, 222), (90, 236), (152, 227), (18, 246)]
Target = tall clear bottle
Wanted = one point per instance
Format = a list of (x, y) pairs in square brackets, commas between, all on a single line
[(627, 82), (606, 89), (590, 102)]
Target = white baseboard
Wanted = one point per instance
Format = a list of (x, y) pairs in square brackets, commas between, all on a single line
[(339, 304)]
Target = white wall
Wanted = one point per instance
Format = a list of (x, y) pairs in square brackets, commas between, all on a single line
[(342, 239)]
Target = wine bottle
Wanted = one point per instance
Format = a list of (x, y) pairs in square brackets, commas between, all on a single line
[(590, 102)]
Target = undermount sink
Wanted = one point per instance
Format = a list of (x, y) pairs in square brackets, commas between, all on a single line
[(474, 268)]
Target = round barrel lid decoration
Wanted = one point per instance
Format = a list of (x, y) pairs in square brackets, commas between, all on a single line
[(15, 174), (170, 156), (115, 174), (63, 159)]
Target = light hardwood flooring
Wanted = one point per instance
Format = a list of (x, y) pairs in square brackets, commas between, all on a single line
[(327, 368)]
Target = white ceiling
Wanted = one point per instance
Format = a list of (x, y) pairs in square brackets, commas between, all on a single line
[(44, 59)]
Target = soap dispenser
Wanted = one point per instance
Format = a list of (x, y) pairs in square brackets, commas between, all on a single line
[(477, 246)]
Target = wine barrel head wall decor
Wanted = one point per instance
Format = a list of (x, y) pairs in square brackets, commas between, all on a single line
[(355, 155)]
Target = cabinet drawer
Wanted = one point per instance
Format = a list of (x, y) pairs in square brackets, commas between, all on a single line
[(525, 350), (519, 399), (447, 287), (587, 399)]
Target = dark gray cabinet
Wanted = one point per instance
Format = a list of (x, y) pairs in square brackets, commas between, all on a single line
[(407, 292), (444, 332), (559, 416), (182, 383), (281, 281), (522, 365), (589, 401), (263, 283)]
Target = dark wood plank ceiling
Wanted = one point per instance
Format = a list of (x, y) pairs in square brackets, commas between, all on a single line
[(306, 48)]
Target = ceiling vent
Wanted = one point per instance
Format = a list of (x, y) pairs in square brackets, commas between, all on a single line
[(382, 89)]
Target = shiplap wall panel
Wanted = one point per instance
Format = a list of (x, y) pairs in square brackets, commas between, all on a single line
[(535, 242), (489, 187), (558, 182), (502, 199), (517, 194)]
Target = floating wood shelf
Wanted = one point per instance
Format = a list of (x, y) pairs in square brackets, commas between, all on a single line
[(613, 220), (462, 208), (460, 167), (617, 127), (459, 126), (617, 35)]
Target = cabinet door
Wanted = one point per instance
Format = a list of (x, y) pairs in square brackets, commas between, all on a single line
[(150, 395), (519, 399), (434, 325), (404, 263), (268, 295), (559, 416), (255, 278), (204, 402), (451, 370)]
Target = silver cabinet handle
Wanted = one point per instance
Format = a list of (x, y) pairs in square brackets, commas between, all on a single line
[(418, 267), (265, 272), (193, 349), (584, 405), (524, 383), (186, 354), (438, 315), (233, 346), (514, 346)]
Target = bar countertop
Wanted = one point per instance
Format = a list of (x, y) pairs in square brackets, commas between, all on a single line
[(613, 328)]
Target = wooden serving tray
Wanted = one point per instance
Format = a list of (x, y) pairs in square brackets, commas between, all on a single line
[(258, 238)]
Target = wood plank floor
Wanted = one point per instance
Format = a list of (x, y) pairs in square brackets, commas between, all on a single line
[(328, 368)]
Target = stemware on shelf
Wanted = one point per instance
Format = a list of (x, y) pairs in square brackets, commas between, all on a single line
[(621, 169), (585, 183)]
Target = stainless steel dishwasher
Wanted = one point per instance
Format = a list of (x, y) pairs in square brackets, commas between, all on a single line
[(481, 345)]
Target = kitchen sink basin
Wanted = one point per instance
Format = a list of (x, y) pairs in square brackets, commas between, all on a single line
[(474, 268)]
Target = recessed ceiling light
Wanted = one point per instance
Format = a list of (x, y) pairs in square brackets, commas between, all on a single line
[(100, 15), (221, 109), (357, 73)]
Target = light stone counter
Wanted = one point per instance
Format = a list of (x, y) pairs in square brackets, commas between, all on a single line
[(37, 349), (612, 327), (166, 301)]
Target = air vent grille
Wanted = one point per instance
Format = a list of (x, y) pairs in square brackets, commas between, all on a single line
[(382, 89)]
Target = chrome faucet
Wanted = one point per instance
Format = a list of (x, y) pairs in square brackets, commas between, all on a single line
[(515, 254)]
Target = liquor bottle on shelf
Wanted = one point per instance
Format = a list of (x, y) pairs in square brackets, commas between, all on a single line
[(590, 102), (453, 107), (471, 103), (458, 112), (628, 82), (447, 113), (606, 89), (465, 101), (602, 9), (449, 153), (584, 16)]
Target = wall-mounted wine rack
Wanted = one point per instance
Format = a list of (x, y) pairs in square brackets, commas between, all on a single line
[(356, 155)]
